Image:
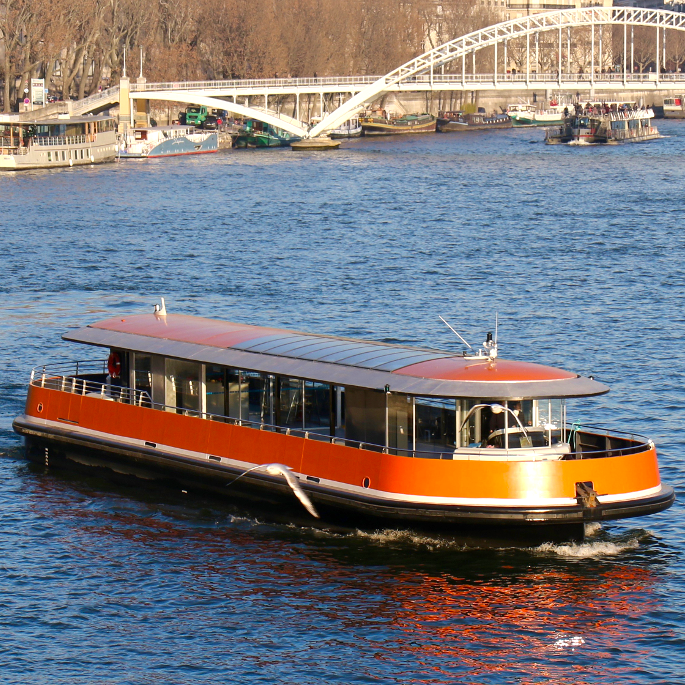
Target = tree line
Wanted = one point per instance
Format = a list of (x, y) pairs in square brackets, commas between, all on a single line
[(80, 45)]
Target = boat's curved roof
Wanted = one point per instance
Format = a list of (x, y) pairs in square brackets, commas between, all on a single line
[(331, 359)]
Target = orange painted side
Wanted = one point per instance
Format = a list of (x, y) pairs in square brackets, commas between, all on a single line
[(386, 472)]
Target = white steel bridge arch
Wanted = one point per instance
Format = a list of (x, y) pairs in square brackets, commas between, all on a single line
[(193, 98), (505, 31)]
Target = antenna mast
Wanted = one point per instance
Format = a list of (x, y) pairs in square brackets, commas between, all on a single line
[(455, 333)]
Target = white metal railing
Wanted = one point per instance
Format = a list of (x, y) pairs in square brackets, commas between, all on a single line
[(49, 141), (92, 101), (330, 83), (53, 377)]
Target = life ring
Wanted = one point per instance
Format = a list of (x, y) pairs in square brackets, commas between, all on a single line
[(114, 365)]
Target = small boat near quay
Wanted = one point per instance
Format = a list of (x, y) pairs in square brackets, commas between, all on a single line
[(61, 142), (529, 115), (459, 121), (338, 430), (166, 141), (674, 107), (609, 128), (378, 123), (259, 134), (350, 129)]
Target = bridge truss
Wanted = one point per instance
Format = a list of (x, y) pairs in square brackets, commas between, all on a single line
[(499, 35)]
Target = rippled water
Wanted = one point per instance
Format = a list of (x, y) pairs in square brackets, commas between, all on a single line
[(579, 250)]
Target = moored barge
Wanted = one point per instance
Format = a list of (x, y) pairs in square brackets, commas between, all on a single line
[(378, 123), (460, 121), (365, 434)]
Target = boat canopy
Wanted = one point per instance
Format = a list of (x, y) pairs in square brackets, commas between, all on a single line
[(335, 360)]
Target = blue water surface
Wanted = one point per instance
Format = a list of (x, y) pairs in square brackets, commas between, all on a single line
[(580, 253)]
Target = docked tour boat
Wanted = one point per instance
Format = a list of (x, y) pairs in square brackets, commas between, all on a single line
[(350, 129), (377, 123), (459, 121), (612, 128), (674, 108), (64, 141), (365, 434), (529, 115), (166, 141)]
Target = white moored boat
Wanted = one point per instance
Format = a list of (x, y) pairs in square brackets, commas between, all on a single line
[(350, 129), (166, 141), (60, 142), (674, 108), (528, 115)]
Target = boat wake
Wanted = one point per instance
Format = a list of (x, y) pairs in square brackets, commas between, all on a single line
[(586, 550)]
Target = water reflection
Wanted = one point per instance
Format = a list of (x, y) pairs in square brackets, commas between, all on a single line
[(397, 602)]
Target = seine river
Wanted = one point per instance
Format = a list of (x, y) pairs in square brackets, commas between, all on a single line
[(580, 251)]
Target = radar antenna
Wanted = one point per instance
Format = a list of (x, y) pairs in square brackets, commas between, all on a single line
[(455, 333)]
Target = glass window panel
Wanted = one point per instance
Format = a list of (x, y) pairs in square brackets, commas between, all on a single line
[(400, 422), (233, 384), (216, 389), (255, 396), (317, 406), (182, 384), (435, 424), (142, 373), (291, 402)]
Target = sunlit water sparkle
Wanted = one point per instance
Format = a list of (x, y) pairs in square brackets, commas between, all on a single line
[(578, 250)]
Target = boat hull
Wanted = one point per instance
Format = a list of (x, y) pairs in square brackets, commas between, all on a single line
[(263, 140), (349, 485), (174, 147), (379, 129), (536, 120), (344, 133), (450, 126)]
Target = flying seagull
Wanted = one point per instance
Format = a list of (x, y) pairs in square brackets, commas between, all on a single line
[(290, 479)]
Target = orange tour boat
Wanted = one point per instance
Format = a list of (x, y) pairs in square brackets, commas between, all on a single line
[(363, 434)]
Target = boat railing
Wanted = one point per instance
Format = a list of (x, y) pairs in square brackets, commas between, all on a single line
[(85, 382), (48, 141)]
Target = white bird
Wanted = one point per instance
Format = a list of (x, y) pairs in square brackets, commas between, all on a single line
[(290, 479)]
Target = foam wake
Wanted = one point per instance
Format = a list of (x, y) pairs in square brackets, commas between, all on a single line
[(583, 550)]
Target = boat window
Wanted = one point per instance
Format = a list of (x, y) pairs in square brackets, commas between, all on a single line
[(235, 409), (317, 406), (435, 424), (182, 384), (365, 415), (215, 388), (550, 415), (400, 422), (142, 373), (487, 427), (290, 402), (257, 387)]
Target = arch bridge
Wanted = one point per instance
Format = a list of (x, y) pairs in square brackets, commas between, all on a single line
[(604, 33)]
